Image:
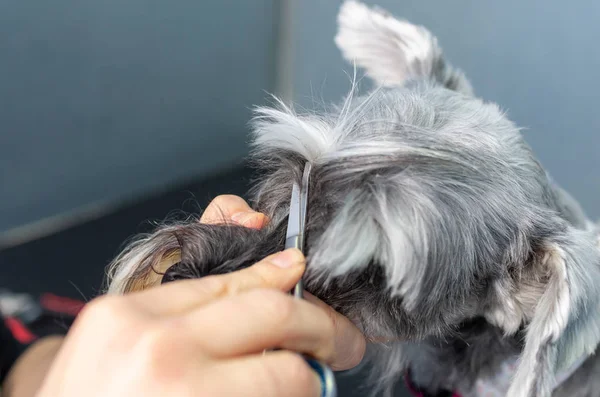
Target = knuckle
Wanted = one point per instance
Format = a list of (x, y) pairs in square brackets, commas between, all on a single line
[(153, 338), (114, 317), (154, 345), (212, 285), (104, 308), (257, 277)]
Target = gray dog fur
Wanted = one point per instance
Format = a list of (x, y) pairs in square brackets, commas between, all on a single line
[(430, 222)]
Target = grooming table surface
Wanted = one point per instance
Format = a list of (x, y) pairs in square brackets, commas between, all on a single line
[(72, 263)]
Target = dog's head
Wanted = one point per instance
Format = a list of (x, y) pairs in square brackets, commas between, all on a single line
[(426, 209)]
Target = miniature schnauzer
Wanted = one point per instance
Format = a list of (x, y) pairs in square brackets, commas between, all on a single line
[(431, 225)]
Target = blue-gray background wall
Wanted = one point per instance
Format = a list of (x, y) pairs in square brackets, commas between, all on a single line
[(538, 59), (107, 100)]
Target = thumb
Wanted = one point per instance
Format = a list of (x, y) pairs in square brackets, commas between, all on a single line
[(281, 270), (278, 271)]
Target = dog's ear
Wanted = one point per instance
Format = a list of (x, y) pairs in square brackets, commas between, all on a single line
[(560, 299), (143, 262), (392, 51)]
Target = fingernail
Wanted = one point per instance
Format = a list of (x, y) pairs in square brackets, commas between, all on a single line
[(243, 217), (252, 220), (288, 258)]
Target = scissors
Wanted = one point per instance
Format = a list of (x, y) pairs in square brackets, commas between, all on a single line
[(295, 239)]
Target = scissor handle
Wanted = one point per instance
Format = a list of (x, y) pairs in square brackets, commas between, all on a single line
[(328, 384)]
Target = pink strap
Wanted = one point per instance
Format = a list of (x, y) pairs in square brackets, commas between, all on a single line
[(411, 388)]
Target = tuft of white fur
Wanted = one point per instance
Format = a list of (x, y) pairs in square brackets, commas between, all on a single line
[(547, 326), (282, 129), (509, 315), (125, 265), (559, 304), (142, 255), (392, 51), (310, 135)]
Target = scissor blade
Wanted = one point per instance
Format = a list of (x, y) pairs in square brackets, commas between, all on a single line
[(297, 218), (294, 228), (294, 236), (304, 196)]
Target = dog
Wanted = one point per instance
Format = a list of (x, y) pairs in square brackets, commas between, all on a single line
[(431, 224)]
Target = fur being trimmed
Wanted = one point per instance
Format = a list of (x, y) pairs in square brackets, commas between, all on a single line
[(430, 224)]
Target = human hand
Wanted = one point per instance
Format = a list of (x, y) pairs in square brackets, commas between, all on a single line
[(231, 208), (206, 336), (201, 337)]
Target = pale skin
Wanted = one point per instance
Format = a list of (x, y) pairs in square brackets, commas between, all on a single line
[(204, 337)]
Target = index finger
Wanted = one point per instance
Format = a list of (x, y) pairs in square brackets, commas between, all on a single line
[(229, 208), (350, 344)]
